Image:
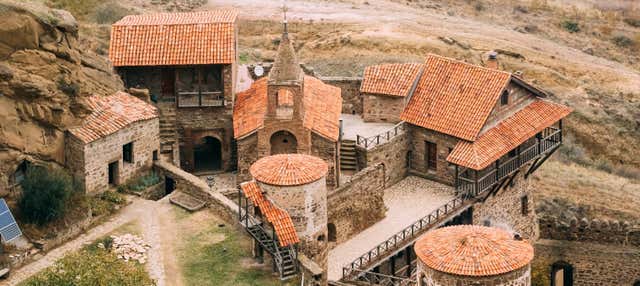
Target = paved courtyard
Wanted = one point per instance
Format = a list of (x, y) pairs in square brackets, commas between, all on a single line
[(407, 201), (353, 125)]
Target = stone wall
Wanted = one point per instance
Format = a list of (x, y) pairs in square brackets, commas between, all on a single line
[(444, 172), (504, 209), (247, 155), (392, 154), (100, 153), (358, 204), (328, 151), (382, 108), (518, 98), (430, 277), (350, 86), (593, 263), (591, 230)]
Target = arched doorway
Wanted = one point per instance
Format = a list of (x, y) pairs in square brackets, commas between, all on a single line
[(561, 274), (207, 154), (283, 142), (331, 229)]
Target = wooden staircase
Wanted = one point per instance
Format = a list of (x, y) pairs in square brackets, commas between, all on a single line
[(348, 155)]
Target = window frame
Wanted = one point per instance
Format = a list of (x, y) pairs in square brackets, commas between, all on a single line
[(128, 151), (504, 98)]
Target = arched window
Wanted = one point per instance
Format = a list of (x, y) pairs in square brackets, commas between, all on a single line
[(332, 232), (283, 142), (504, 98), (561, 274)]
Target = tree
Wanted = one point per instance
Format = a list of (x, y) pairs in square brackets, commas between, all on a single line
[(45, 193)]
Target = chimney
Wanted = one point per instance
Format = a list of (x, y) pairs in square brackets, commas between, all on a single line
[(519, 74), (492, 61)]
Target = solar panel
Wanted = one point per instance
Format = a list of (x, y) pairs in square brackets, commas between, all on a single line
[(9, 229)]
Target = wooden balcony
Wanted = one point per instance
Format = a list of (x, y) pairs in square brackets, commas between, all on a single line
[(201, 99), (474, 182)]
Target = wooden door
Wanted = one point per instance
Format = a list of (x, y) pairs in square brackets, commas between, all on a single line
[(168, 83)]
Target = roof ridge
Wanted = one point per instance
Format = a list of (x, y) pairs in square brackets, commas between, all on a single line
[(466, 63)]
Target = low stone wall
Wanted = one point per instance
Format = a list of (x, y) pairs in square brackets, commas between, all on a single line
[(356, 205), (393, 155), (351, 98), (591, 230)]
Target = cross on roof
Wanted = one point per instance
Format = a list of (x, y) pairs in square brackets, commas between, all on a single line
[(284, 11)]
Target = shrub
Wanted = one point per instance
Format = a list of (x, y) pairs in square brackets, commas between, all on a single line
[(142, 183), (634, 22), (112, 197), (45, 193), (109, 13), (622, 41), (571, 26)]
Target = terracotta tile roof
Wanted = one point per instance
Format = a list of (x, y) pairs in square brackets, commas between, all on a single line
[(390, 79), (507, 135), (322, 108), (288, 169), (174, 39), (473, 250), (112, 113), (250, 108), (454, 97), (279, 218)]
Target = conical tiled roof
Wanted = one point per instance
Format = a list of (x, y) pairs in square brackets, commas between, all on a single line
[(288, 169), (473, 250), (286, 67)]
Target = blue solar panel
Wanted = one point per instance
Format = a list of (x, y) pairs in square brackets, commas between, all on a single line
[(9, 229)]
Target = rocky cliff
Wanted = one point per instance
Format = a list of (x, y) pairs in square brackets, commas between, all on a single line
[(44, 79)]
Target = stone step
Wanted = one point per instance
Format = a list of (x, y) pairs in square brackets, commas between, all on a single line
[(186, 201), (347, 159)]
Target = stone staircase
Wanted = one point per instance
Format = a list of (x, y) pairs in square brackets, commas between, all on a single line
[(168, 133), (348, 155)]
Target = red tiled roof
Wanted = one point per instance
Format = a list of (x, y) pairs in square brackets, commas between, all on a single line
[(390, 79), (288, 169), (473, 250), (112, 113), (454, 97), (507, 135), (322, 108), (250, 108), (174, 39), (279, 218)]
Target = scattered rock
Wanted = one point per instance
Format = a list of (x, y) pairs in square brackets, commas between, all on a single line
[(130, 247), (510, 54)]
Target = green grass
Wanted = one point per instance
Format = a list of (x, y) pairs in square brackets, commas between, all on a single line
[(206, 260), (91, 266)]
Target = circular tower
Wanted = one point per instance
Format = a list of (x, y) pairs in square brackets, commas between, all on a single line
[(297, 184), (473, 255)]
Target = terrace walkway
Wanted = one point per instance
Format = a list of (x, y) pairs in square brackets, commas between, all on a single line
[(353, 125), (407, 201)]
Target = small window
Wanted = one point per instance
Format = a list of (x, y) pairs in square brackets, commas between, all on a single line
[(513, 153), (504, 99), (524, 205), (127, 153), (154, 155), (431, 154)]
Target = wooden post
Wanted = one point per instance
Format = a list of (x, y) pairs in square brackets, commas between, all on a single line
[(476, 184), (560, 126), (407, 254)]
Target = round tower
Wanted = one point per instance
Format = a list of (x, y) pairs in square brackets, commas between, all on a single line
[(473, 255), (297, 184)]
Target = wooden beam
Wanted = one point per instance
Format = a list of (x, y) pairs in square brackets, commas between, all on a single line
[(513, 176), (533, 168)]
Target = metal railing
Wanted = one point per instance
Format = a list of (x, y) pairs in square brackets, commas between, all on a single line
[(200, 98), (487, 178), (384, 137), (402, 238), (379, 279)]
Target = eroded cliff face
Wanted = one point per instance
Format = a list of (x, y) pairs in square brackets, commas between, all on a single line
[(44, 79)]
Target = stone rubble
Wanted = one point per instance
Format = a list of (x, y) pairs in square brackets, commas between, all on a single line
[(130, 247)]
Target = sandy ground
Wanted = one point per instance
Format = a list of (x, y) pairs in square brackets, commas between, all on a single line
[(407, 201)]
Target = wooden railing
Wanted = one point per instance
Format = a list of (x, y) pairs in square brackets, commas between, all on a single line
[(384, 137), (200, 99), (467, 183), (402, 239)]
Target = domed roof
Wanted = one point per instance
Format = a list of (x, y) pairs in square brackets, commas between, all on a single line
[(288, 169), (473, 250)]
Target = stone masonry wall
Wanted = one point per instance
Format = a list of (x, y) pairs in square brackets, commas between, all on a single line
[(358, 204), (247, 155), (444, 172), (392, 154), (504, 209), (326, 150), (598, 231), (351, 98), (382, 108), (98, 154), (430, 277), (593, 264), (74, 158)]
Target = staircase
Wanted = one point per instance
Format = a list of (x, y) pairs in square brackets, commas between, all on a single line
[(348, 155), (284, 257), (168, 134)]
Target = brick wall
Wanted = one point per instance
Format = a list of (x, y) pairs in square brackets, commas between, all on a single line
[(382, 108), (504, 209), (358, 204), (444, 172), (392, 154), (98, 154), (350, 86)]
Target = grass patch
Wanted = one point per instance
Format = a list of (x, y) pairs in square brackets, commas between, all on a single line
[(92, 266), (219, 255)]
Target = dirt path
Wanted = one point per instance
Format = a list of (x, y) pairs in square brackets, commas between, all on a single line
[(156, 223)]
